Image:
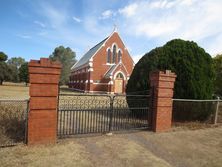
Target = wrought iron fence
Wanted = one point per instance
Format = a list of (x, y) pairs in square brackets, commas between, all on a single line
[(83, 114), (13, 122), (130, 112)]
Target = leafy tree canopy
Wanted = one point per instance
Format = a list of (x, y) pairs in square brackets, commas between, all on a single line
[(4, 70), (218, 70), (14, 77), (3, 56), (67, 58), (193, 66), (14, 64), (16, 61), (23, 73)]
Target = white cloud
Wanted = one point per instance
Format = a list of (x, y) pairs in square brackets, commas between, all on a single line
[(107, 14), (39, 23), (93, 26), (24, 36), (163, 20), (78, 20), (42, 33), (60, 29), (56, 17), (215, 47), (130, 10)]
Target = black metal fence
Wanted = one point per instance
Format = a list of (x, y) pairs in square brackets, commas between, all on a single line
[(83, 114), (13, 122)]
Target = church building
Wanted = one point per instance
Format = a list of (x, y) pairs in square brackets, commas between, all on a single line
[(105, 68)]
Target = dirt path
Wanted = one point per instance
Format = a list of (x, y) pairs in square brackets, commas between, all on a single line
[(181, 148), (185, 148)]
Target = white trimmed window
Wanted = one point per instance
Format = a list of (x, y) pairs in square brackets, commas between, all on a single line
[(119, 55), (114, 54), (108, 56)]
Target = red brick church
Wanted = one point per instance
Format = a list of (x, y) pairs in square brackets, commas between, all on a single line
[(105, 68)]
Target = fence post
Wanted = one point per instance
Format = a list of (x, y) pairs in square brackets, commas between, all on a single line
[(162, 84), (216, 112), (43, 91), (26, 122), (111, 113)]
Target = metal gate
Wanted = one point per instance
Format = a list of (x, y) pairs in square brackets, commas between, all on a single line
[(84, 113)]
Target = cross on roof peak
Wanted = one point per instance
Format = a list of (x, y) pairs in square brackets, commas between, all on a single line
[(115, 28)]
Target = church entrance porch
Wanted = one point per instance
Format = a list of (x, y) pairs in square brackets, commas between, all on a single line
[(118, 86), (119, 83)]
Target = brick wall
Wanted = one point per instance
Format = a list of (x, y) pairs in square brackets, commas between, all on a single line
[(100, 59), (162, 84), (100, 67), (42, 119)]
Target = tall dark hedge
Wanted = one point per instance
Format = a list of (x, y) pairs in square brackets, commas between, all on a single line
[(193, 66), (218, 72)]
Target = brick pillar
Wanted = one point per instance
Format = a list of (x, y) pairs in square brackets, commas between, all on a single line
[(43, 91), (90, 85), (110, 87), (162, 84)]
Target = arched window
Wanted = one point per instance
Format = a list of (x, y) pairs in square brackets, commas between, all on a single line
[(114, 54), (119, 76), (119, 56), (109, 56)]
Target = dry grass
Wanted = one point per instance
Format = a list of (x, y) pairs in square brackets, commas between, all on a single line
[(12, 113), (202, 148), (193, 125), (11, 91), (12, 121)]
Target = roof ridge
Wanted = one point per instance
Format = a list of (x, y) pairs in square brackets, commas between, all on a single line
[(98, 43), (84, 59)]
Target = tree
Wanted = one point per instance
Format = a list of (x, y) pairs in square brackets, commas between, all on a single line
[(3, 56), (14, 77), (4, 70), (23, 73), (14, 64), (16, 61), (67, 58), (218, 71), (193, 66)]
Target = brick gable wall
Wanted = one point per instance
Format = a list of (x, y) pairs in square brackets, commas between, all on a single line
[(94, 80)]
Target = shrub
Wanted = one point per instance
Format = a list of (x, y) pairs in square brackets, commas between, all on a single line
[(193, 111), (191, 63), (218, 71)]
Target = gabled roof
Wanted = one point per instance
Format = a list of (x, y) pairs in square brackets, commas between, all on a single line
[(86, 57), (110, 71), (113, 68)]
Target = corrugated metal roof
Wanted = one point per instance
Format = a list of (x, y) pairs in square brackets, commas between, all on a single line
[(89, 54)]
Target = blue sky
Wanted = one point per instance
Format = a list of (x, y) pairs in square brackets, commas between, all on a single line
[(33, 28)]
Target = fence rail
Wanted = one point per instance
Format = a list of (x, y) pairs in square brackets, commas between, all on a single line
[(209, 111), (13, 121)]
